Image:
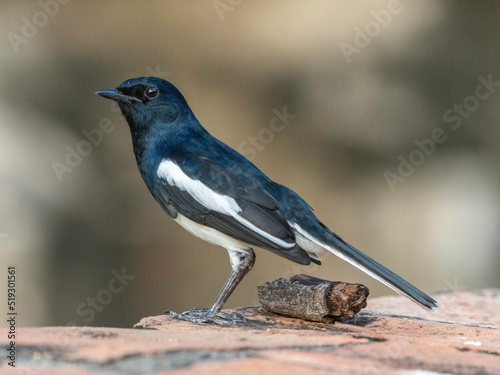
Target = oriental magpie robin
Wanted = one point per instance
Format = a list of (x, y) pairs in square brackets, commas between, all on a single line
[(221, 197)]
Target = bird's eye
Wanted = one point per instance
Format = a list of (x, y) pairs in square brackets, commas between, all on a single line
[(151, 92)]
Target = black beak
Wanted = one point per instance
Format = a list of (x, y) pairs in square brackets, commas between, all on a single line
[(115, 95)]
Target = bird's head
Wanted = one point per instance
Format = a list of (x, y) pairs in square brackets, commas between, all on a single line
[(148, 102)]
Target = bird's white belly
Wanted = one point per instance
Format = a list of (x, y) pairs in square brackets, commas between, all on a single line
[(210, 235)]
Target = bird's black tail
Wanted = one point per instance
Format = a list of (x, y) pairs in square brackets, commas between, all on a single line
[(352, 255)]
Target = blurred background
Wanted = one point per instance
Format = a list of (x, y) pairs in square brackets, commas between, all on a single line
[(392, 137)]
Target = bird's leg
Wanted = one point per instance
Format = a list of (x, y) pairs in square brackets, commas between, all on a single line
[(241, 263)]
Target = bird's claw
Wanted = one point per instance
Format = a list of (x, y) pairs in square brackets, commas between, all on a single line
[(196, 315)]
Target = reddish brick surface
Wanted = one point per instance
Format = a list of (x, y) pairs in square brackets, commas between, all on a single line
[(390, 337)]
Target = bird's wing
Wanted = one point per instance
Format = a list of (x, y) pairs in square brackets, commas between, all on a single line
[(225, 200)]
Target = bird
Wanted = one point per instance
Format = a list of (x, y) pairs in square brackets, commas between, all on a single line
[(221, 197)]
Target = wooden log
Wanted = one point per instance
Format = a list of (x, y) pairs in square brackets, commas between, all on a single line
[(314, 299)]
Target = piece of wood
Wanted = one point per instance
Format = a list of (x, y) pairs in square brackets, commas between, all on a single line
[(314, 299)]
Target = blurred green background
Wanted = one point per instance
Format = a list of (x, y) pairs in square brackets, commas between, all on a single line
[(368, 83)]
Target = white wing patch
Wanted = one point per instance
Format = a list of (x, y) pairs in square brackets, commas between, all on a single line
[(173, 174)]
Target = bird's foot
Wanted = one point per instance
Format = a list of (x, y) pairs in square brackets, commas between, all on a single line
[(196, 315)]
